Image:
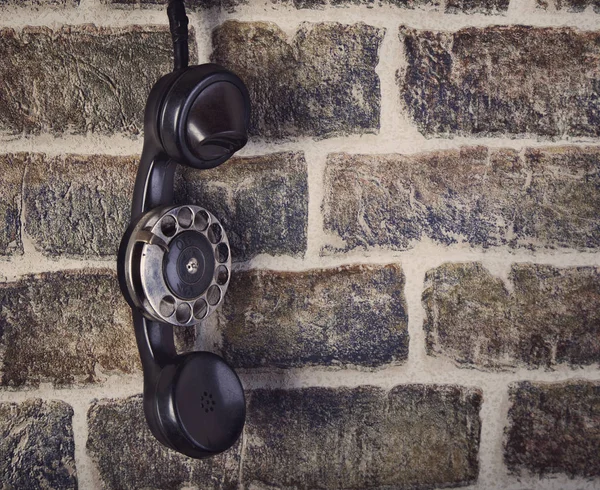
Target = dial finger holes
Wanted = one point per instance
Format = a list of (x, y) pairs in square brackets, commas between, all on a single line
[(215, 233), (222, 275), (213, 295), (185, 217), (168, 226), (167, 306), (222, 252), (201, 220), (183, 313), (200, 309)]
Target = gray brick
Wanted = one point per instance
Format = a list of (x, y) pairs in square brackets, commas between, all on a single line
[(321, 83), (551, 317), (347, 316), (554, 428), (414, 436), (65, 327), (11, 180), (36, 447), (78, 205), (502, 80), (190, 5), (128, 456), (80, 79), (477, 6), (482, 197), (570, 5), (54, 4), (261, 201)]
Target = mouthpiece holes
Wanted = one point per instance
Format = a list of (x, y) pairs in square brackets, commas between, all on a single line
[(168, 226), (207, 403), (185, 217), (201, 220), (213, 295), (183, 313), (222, 275), (215, 233), (200, 309), (167, 306)]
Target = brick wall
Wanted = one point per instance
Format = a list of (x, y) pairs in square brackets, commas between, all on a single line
[(415, 226)]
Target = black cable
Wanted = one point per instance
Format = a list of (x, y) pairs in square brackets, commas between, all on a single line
[(178, 24)]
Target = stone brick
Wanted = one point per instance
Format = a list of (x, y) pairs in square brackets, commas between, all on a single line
[(570, 5), (78, 205), (11, 180), (190, 5), (128, 456), (414, 436), (502, 80), (80, 79), (40, 3), (477, 6), (407, 4), (321, 83), (65, 327), (474, 195), (351, 315), (550, 317), (36, 447), (554, 428), (261, 201)]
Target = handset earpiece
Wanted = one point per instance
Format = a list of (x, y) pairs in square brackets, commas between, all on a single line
[(174, 262)]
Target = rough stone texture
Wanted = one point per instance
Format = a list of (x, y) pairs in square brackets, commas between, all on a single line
[(261, 201), (503, 80), (80, 78), (128, 456), (11, 182), (550, 318), (409, 4), (351, 315), (190, 5), (78, 205), (570, 5), (477, 6), (321, 83), (36, 445), (484, 197), (554, 428), (64, 327), (414, 436), (39, 3)]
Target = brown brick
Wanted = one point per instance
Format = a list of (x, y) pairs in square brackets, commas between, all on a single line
[(36, 447), (65, 327), (414, 436), (80, 79), (554, 428), (477, 6), (483, 197), (570, 5), (321, 83), (261, 201), (190, 5), (550, 318), (351, 315), (502, 80), (128, 456), (78, 205), (11, 183)]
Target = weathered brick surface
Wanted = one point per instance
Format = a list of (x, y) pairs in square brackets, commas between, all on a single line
[(321, 83), (128, 456), (414, 436), (550, 318), (554, 428), (64, 327), (36, 445), (477, 6), (11, 182), (53, 4), (570, 5), (351, 315), (261, 201), (78, 205), (80, 78), (483, 197), (190, 5), (502, 80)]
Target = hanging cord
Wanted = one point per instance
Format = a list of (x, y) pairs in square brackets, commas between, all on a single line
[(178, 24)]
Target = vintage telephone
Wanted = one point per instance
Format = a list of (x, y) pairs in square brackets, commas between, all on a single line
[(174, 262)]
